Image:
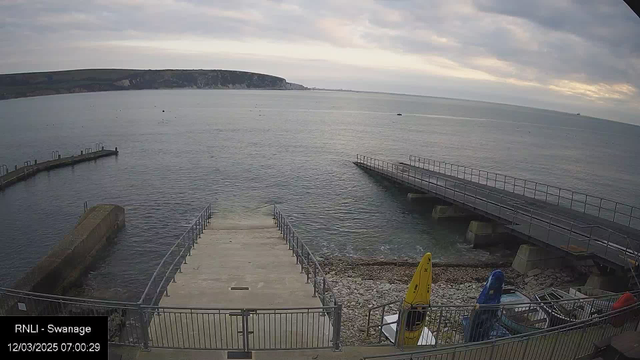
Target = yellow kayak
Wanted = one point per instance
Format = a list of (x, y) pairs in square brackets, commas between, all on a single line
[(418, 294)]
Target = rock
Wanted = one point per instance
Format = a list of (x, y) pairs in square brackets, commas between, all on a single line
[(360, 285), (534, 272)]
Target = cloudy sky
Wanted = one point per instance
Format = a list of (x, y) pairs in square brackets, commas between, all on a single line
[(576, 56)]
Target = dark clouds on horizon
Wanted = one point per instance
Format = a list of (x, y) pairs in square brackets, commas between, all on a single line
[(552, 53)]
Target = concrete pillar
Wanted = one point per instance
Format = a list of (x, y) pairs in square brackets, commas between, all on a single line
[(58, 156), (35, 162), (103, 148), (16, 167), (414, 196), (614, 283), (80, 152), (447, 211), (531, 257), (485, 234)]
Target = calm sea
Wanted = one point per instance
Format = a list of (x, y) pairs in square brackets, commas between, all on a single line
[(243, 151)]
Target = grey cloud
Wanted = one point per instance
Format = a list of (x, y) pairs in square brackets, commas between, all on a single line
[(593, 41), (588, 41), (610, 23)]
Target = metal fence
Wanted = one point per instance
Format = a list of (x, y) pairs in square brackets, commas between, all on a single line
[(243, 329), (126, 322), (457, 324), (571, 236), (191, 328), (173, 260), (146, 324), (308, 263), (593, 205), (566, 342)]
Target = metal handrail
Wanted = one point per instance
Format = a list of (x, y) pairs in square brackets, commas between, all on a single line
[(188, 241), (573, 225), (299, 248), (461, 171), (51, 297), (627, 314), (403, 172), (608, 298), (598, 297), (235, 309)]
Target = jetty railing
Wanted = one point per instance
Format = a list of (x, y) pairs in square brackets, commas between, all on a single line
[(308, 263), (243, 329), (174, 259), (568, 235), (566, 342), (147, 326), (446, 323), (127, 325), (611, 210)]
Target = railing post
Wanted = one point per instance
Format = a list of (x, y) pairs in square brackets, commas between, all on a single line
[(400, 324), (571, 203), (324, 284), (337, 324), (308, 263), (438, 331), (293, 246), (194, 234), (143, 327), (245, 330), (315, 280)]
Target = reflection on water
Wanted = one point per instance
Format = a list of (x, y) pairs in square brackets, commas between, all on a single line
[(242, 151)]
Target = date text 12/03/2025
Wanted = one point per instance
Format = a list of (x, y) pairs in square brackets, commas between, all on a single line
[(44, 336)]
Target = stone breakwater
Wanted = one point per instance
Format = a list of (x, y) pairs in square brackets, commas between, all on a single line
[(361, 284)]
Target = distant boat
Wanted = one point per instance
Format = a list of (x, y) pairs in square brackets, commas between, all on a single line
[(522, 318), (399, 114), (578, 114)]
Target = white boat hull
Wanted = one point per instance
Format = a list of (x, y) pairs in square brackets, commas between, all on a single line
[(389, 330)]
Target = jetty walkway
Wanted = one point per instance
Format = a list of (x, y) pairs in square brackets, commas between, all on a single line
[(525, 210), (30, 169)]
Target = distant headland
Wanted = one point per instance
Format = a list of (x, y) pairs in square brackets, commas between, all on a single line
[(92, 80)]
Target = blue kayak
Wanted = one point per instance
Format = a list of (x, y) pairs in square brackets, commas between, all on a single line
[(483, 321)]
